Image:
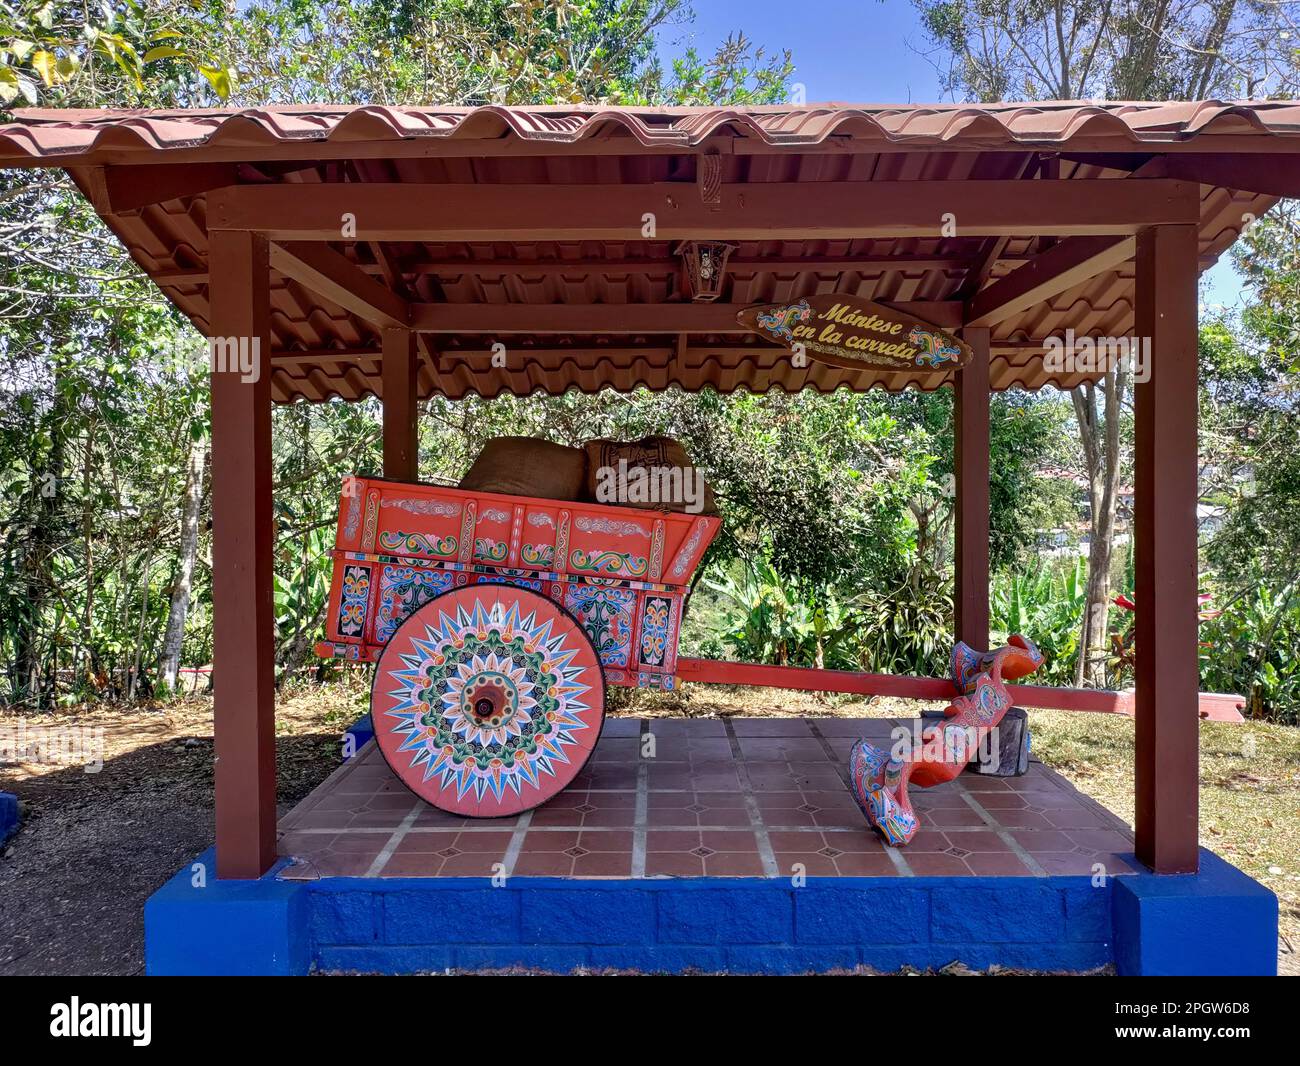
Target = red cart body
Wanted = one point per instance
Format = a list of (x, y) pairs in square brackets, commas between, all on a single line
[(624, 573)]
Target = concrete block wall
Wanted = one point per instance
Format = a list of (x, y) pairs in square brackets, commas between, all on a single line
[(745, 926)]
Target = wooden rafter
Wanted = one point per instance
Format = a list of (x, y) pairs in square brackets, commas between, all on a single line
[(1059, 268), (337, 279), (766, 211), (617, 318)]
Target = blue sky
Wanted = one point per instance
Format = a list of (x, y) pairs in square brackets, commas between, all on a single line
[(850, 51), (854, 51)]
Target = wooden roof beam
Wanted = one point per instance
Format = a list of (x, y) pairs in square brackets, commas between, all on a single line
[(651, 267), (618, 319), (1061, 267), (339, 280), (760, 211)]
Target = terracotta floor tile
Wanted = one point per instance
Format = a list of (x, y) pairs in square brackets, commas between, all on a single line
[(788, 818), (866, 865), (929, 840), (728, 839), (360, 843), (932, 865), (603, 864), (425, 843), (294, 843), (814, 865), (1122, 863), (671, 840), (671, 819), (611, 817), (342, 864), (1022, 820), (557, 817), (412, 865), (720, 800), (709, 749), (980, 840), (1076, 819), (980, 783), (543, 864), (693, 800), (997, 864), (670, 864), (1100, 839), (768, 750), (539, 842), (795, 841), (484, 842), (864, 842), (943, 817), (1003, 801), (1039, 842), (724, 818), (474, 864), (733, 864), (1067, 864), (783, 799), (709, 781), (607, 841), (770, 727)]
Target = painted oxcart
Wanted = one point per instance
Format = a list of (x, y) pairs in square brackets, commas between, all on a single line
[(496, 622)]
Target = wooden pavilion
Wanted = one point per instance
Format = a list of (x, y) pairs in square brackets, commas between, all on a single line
[(383, 251)]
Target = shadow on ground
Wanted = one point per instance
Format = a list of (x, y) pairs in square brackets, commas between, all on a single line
[(93, 847)]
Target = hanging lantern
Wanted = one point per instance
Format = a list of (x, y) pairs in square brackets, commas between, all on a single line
[(706, 263)]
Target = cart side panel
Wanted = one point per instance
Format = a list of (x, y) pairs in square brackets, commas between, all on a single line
[(622, 572)]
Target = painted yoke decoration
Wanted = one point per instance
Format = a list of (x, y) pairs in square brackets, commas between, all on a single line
[(879, 777), (622, 572), (850, 332)]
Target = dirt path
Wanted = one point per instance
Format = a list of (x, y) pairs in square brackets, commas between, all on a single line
[(94, 846)]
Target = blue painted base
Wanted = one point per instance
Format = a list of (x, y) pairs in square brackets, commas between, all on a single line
[(743, 925), (357, 735), (9, 816), (196, 924), (1217, 922)]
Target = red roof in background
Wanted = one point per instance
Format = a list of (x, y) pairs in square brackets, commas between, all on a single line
[(324, 350)]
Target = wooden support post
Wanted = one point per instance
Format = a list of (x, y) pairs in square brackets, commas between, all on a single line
[(401, 434), (1165, 552), (242, 541), (971, 470)]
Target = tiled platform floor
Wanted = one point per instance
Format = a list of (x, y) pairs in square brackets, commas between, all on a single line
[(721, 797)]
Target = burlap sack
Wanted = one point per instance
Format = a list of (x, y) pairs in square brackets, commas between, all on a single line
[(526, 466), (669, 482)]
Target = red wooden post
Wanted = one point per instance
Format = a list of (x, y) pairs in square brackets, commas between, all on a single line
[(1165, 487), (401, 434), (243, 614), (971, 468)]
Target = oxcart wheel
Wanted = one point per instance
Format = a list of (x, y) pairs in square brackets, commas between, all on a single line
[(488, 700)]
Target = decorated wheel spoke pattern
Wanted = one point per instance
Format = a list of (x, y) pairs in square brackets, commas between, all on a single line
[(488, 701)]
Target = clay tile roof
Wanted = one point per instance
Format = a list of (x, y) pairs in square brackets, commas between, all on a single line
[(323, 350)]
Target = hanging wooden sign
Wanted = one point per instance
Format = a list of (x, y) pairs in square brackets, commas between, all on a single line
[(851, 332)]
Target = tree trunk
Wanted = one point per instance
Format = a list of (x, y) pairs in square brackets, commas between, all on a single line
[(1101, 450), (174, 637), (37, 556)]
